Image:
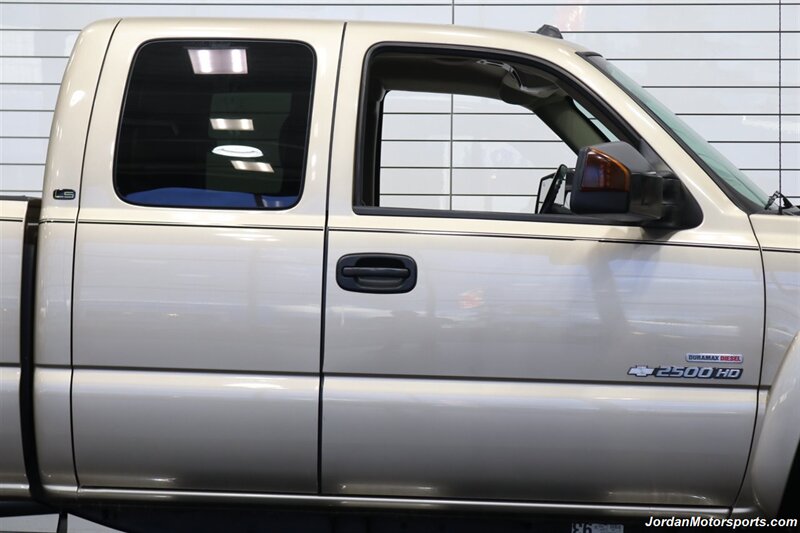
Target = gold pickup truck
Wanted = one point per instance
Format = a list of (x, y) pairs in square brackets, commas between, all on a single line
[(239, 287)]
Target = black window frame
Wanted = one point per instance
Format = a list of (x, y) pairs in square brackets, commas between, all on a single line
[(201, 41), (595, 103)]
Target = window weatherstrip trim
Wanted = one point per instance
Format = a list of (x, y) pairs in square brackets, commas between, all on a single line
[(463, 50), (189, 41), (550, 238)]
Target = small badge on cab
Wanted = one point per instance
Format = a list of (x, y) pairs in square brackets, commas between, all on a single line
[(64, 194)]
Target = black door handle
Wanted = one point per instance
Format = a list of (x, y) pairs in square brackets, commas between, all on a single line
[(376, 273)]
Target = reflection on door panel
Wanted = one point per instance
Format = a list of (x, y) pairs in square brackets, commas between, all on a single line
[(176, 324), (513, 350)]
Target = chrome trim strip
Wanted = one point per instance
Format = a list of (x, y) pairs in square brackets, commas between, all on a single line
[(459, 233), (746, 511), (14, 490), (420, 504), (678, 382), (53, 365), (11, 219), (441, 377), (56, 221), (60, 491), (231, 371), (783, 250), (541, 237), (184, 225), (682, 244)]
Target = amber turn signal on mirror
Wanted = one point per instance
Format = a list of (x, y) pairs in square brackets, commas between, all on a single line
[(604, 173)]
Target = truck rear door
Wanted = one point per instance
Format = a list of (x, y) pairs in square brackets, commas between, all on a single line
[(198, 262)]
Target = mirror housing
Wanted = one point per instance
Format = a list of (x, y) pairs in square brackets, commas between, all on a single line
[(614, 180)]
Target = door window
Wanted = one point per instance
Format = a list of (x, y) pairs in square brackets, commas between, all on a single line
[(452, 132), (219, 124)]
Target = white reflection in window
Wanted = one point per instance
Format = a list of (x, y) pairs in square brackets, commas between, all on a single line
[(218, 61), (237, 150), (232, 124), (252, 166)]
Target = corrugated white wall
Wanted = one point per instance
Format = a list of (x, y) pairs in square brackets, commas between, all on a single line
[(731, 69)]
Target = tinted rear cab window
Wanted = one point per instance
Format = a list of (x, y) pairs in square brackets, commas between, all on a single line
[(217, 124)]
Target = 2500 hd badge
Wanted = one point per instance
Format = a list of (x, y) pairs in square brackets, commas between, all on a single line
[(699, 372)]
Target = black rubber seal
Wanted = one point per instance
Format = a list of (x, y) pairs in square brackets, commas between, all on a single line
[(27, 308)]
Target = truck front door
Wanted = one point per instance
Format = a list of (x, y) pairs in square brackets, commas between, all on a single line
[(476, 349), (198, 263)]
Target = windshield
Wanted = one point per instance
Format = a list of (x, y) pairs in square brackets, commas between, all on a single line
[(734, 181)]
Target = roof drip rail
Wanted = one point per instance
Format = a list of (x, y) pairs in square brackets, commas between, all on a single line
[(550, 31)]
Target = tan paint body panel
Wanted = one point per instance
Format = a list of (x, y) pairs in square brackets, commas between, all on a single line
[(76, 96), (55, 249), (207, 320), (53, 353), (12, 228), (533, 441), (530, 308), (13, 480), (779, 237), (230, 299), (777, 442), (53, 332), (53, 427), (197, 331), (217, 431), (515, 325)]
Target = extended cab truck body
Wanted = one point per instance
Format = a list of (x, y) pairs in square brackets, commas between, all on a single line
[(224, 297)]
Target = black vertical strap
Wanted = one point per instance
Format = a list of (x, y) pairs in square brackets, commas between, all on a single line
[(63, 524), (27, 307)]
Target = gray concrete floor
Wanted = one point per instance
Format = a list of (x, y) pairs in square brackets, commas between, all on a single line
[(47, 523)]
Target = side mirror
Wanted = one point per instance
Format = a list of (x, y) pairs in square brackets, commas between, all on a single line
[(614, 180)]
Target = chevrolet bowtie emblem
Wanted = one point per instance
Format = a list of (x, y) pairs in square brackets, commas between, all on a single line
[(640, 371)]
